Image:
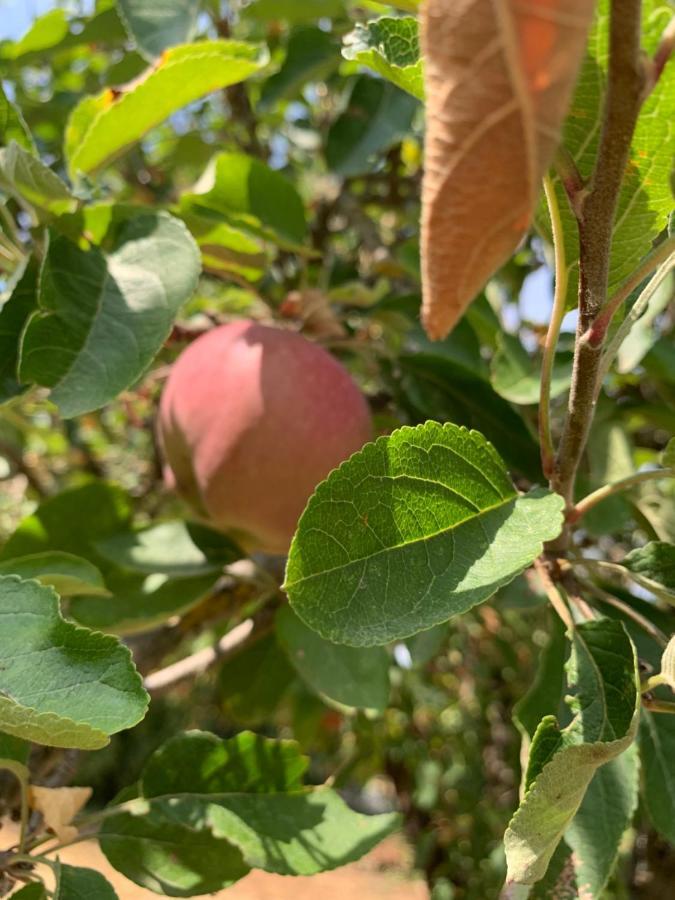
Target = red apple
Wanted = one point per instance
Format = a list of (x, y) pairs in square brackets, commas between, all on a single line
[(252, 418)]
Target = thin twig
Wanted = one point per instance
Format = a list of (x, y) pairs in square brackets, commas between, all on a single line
[(202, 660), (663, 53), (624, 484), (644, 623), (662, 258), (634, 314), (553, 594), (553, 333)]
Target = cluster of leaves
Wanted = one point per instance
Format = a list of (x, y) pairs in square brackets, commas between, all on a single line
[(179, 161)]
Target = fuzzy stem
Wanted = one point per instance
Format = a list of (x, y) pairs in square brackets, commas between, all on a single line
[(625, 89)]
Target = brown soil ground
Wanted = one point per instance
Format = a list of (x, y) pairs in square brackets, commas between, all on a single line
[(384, 873)]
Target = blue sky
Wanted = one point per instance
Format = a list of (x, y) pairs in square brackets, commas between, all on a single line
[(16, 16)]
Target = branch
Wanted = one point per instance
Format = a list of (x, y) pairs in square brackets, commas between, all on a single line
[(243, 634), (625, 90), (605, 597)]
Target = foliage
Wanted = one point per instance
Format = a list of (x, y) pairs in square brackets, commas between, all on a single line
[(481, 598)]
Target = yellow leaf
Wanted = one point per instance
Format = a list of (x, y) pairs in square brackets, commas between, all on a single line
[(59, 806)]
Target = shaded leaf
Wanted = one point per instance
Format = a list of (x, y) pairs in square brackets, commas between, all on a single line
[(69, 575), (413, 529), (516, 375), (77, 883), (390, 46), (377, 115), (657, 751), (197, 762), (251, 196), (611, 799), (61, 685), (498, 81), (603, 671), (102, 127), (352, 676), (294, 10), (12, 124), (14, 314), (138, 606), (241, 806), (248, 694), (160, 24), (103, 316), (311, 55), (167, 547)]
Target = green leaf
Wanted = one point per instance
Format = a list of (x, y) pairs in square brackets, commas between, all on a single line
[(378, 114), (12, 125), (247, 693), (61, 685), (657, 751), (167, 547), (14, 314), (311, 55), (603, 671), (104, 316), (413, 529), (35, 891), (390, 46), (351, 676), (160, 24), (645, 199), (250, 196), (14, 751), (76, 883), (44, 33), (294, 10), (197, 762), (69, 575), (237, 804), (516, 376), (441, 386), (32, 183), (653, 567), (170, 848), (102, 127), (611, 799)]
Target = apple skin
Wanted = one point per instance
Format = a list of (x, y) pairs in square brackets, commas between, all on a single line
[(251, 419)]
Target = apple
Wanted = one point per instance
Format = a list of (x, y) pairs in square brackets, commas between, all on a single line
[(251, 419)]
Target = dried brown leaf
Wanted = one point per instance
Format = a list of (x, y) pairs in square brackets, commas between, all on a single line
[(499, 76), (59, 806)]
